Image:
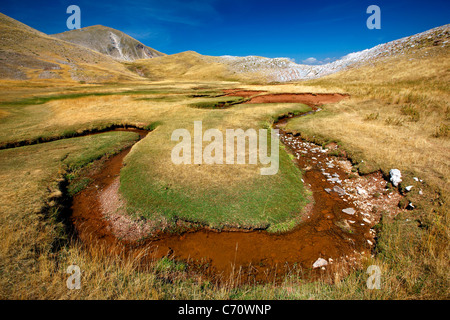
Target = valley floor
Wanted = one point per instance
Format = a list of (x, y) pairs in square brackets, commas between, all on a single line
[(47, 157)]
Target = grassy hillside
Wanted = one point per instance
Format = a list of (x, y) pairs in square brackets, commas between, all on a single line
[(186, 66)]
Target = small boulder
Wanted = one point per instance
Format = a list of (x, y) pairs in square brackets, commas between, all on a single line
[(339, 190), (396, 177), (349, 211), (320, 263), (361, 191)]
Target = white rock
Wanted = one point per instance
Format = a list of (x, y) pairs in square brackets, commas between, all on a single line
[(408, 188), (339, 190), (349, 211), (396, 176), (361, 191), (320, 263)]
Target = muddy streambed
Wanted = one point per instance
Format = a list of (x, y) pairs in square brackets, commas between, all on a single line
[(336, 227)]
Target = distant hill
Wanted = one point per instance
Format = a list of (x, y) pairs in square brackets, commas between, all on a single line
[(282, 69), (26, 53), (111, 42), (187, 65)]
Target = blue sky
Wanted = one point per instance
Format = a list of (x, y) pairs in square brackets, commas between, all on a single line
[(299, 30)]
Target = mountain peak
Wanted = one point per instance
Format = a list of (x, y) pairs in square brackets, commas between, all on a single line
[(109, 41)]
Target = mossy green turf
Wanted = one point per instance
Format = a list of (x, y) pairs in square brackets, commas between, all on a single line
[(262, 202), (70, 153), (272, 202)]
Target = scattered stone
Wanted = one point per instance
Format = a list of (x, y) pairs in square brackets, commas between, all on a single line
[(361, 191), (408, 188), (420, 192), (339, 190), (396, 177), (416, 179), (349, 211), (328, 190), (320, 263), (369, 242)]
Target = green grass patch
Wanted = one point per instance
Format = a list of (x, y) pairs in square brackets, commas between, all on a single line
[(259, 202), (217, 103), (44, 99)]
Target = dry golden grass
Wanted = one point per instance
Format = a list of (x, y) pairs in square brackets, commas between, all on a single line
[(30, 192)]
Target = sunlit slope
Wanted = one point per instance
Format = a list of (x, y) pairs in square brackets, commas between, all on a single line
[(26, 53), (187, 65), (111, 42)]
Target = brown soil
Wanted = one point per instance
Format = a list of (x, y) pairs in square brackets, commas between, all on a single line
[(241, 92), (325, 232)]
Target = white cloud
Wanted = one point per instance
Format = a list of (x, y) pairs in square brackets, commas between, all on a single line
[(311, 60), (314, 61)]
